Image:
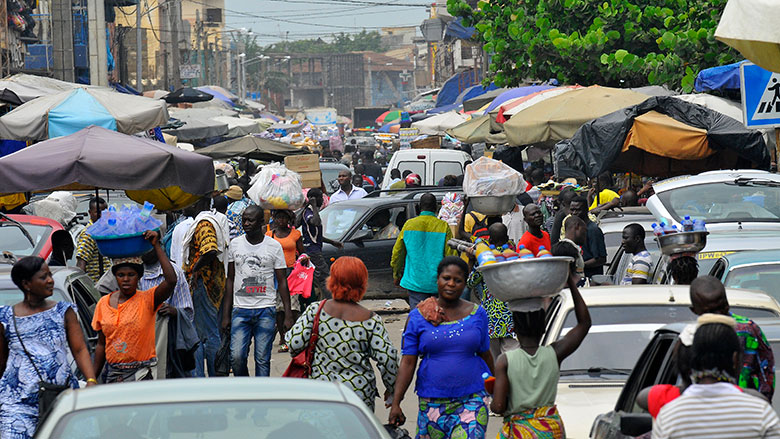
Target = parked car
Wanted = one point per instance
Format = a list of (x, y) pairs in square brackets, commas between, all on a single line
[(430, 164), (613, 222), (618, 265), (624, 317), (730, 200), (70, 285), (330, 173), (26, 235), (754, 270), (657, 365), (719, 244), (268, 408), (352, 222)]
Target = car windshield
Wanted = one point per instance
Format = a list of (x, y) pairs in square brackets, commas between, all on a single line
[(726, 202), (337, 220), (228, 419), (13, 240), (762, 277), (330, 177)]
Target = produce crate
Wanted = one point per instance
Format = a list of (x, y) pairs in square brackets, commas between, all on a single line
[(311, 179), (303, 163)]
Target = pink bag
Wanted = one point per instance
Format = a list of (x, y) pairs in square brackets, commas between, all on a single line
[(301, 278)]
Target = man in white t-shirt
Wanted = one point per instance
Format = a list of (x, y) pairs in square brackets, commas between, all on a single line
[(638, 269), (256, 269)]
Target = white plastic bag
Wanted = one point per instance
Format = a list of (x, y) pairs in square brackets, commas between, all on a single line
[(276, 187), (60, 206), (488, 177)]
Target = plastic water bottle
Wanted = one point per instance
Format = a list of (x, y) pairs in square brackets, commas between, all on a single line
[(490, 382), (668, 229), (147, 209), (524, 253), (497, 253), (699, 225), (484, 254), (111, 216), (687, 224), (674, 229), (657, 230), (543, 253)]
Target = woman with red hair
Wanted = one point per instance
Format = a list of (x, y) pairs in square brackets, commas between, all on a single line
[(349, 335)]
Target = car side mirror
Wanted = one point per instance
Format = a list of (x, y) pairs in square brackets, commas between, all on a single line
[(601, 279), (635, 424), (362, 235)]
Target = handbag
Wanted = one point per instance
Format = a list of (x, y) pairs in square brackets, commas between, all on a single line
[(300, 366), (222, 358), (301, 278), (47, 392)]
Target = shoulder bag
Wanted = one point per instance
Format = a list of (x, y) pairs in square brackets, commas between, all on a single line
[(47, 392), (300, 366)]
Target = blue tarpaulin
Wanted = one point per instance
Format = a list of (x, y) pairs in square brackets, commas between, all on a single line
[(718, 78), (455, 85), (468, 93), (10, 146), (456, 30)]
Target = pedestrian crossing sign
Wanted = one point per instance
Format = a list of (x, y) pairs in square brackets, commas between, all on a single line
[(760, 96)]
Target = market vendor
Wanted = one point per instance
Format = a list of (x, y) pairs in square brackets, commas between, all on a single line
[(125, 319)]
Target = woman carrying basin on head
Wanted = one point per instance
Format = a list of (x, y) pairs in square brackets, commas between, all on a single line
[(37, 333), (124, 319), (527, 377)]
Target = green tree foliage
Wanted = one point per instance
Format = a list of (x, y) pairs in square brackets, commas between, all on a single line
[(341, 43), (624, 43)]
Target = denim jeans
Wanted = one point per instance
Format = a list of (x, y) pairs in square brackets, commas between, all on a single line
[(207, 326), (246, 324)]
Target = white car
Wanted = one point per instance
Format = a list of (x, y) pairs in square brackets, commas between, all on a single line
[(744, 199), (430, 164), (624, 320), (263, 408)]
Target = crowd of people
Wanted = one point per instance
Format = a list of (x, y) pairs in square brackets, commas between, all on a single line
[(220, 274)]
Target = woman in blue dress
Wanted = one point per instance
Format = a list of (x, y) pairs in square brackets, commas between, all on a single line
[(47, 329), (450, 335)]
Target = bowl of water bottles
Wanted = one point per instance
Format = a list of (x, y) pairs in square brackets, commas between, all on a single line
[(691, 239), (521, 278), (119, 234)]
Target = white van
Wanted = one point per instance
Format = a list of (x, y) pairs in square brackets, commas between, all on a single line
[(430, 164)]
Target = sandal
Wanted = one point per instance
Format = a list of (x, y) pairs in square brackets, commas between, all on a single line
[(284, 348)]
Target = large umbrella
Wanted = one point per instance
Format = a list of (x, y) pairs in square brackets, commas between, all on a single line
[(662, 136), (187, 95), (389, 116), (239, 126), (252, 147), (750, 27), (514, 106), (21, 87), (480, 101), (219, 93), (199, 124), (438, 124), (98, 158), (517, 92), (477, 130), (69, 111), (561, 116)]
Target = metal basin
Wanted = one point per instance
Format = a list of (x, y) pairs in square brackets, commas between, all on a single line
[(522, 283), (493, 205), (682, 242)]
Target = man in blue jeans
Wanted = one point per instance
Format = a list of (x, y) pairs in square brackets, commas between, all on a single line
[(256, 268)]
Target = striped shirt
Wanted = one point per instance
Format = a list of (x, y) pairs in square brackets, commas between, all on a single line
[(87, 249), (638, 268), (714, 411)]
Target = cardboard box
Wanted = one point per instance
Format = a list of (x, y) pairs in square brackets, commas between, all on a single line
[(303, 163), (311, 179), (427, 143)]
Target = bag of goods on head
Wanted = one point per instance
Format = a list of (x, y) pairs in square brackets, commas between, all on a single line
[(488, 177), (276, 187), (119, 233)]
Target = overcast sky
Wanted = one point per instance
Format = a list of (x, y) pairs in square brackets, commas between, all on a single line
[(275, 20)]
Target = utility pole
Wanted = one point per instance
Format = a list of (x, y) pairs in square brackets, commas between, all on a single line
[(139, 84), (98, 57), (218, 62), (198, 31), (175, 17), (370, 86)]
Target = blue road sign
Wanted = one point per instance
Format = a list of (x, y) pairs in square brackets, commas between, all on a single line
[(760, 96)]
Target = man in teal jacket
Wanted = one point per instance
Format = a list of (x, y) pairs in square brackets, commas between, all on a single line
[(418, 250)]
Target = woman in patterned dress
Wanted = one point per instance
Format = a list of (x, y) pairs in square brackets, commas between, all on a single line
[(47, 329), (349, 335), (450, 335)]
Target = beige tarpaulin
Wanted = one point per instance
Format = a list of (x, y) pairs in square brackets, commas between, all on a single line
[(561, 116), (750, 26), (661, 135), (477, 130)]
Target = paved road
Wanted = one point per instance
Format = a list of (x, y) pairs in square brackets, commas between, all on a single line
[(395, 325)]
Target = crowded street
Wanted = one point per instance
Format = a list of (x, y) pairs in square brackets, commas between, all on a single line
[(389, 220)]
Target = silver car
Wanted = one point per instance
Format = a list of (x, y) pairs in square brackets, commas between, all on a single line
[(262, 408)]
